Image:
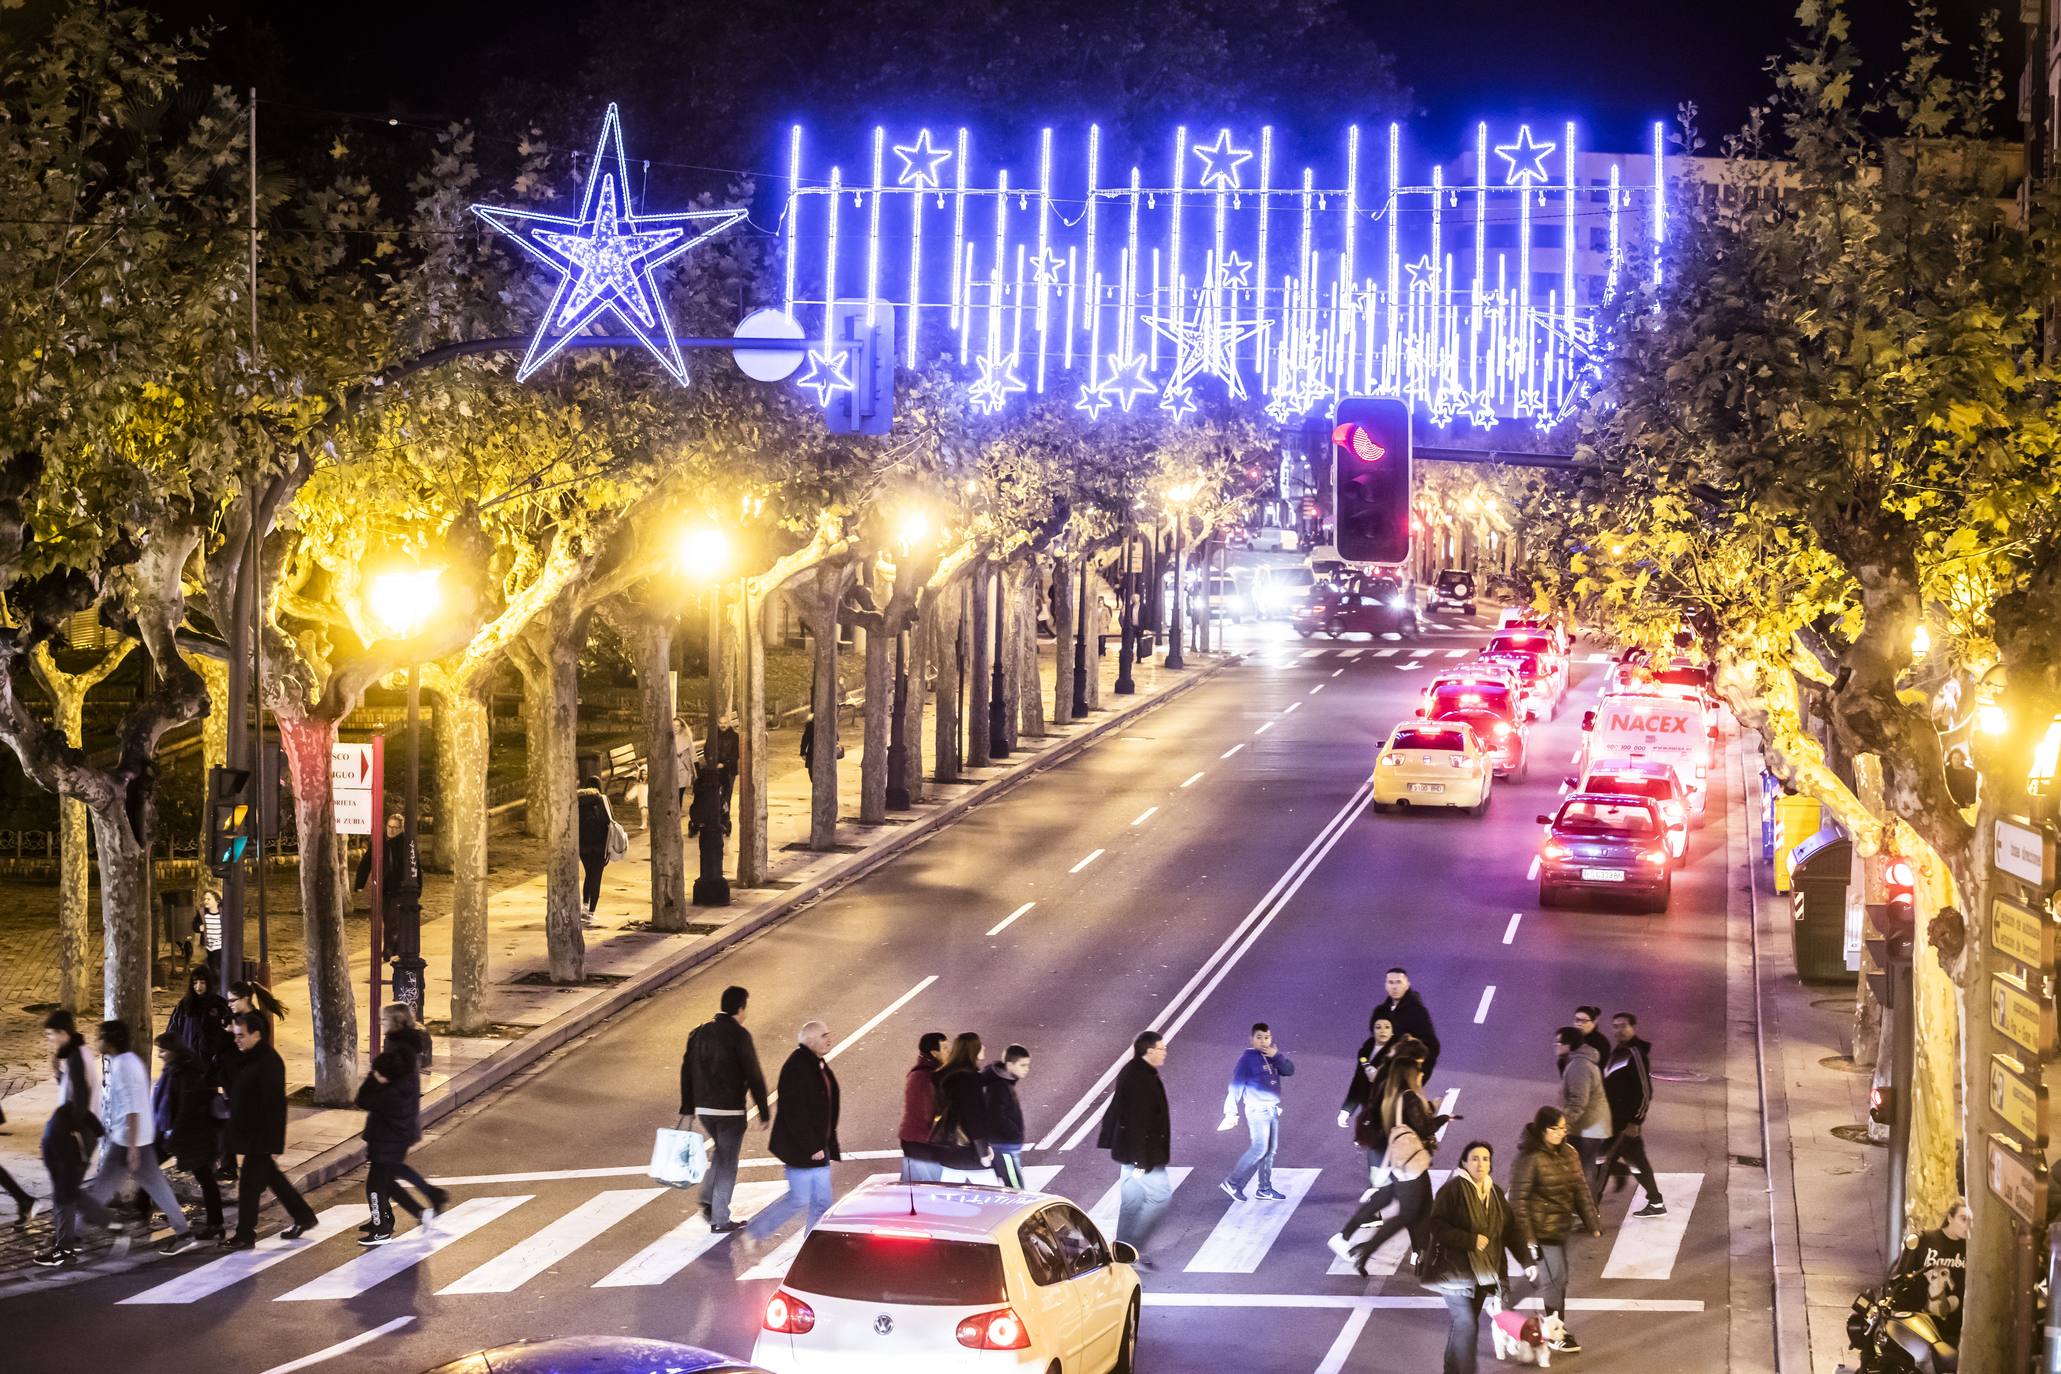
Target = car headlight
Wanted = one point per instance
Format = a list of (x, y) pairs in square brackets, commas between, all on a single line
[(1397, 603)]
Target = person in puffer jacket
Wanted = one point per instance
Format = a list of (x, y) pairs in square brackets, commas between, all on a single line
[(1549, 1191)]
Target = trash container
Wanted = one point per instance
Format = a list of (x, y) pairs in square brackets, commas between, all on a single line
[(1796, 820), (1818, 871)]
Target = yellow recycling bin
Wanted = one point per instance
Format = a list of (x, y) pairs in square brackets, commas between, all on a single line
[(1796, 820)]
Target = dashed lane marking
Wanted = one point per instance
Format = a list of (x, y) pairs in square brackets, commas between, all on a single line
[(1488, 995), (1510, 931), (1085, 862), (1232, 750), (1190, 780), (998, 927)]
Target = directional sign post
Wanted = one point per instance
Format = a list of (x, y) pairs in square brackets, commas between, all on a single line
[(357, 790)]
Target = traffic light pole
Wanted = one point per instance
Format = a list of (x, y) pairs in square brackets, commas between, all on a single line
[(1127, 623), (1903, 1016), (1173, 633)]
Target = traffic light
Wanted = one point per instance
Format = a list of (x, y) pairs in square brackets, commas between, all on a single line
[(1370, 452), (1900, 906), (868, 340), (1882, 1105), (229, 818)]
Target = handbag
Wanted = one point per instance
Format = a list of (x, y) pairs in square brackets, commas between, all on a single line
[(618, 841), (679, 1157), (1407, 1157)]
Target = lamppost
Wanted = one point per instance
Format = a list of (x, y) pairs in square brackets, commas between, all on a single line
[(1127, 623), (1179, 496), (1080, 647), (998, 709), (913, 532), (403, 600), (703, 554)]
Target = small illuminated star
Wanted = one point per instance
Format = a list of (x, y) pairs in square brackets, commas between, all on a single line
[(1420, 272), (826, 375), (1527, 159), (921, 161), (1178, 401), (1235, 271), (1045, 267), (1482, 413), (998, 382), (1092, 402), (1127, 381), (1220, 162)]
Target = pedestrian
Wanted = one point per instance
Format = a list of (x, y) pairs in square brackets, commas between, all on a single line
[(1363, 1089), (1931, 1273), (1628, 1089), (257, 1132), (1410, 1127), (24, 1200), (1549, 1193), (207, 924), (391, 1098), (1003, 1113), (1473, 1237), (1582, 1096), (70, 1136), (958, 1127), (403, 1035), (804, 1136), (638, 794), (728, 752), (1587, 1020), (187, 1133), (128, 1157), (919, 1110), (400, 871), (1255, 1093), (1138, 1132), (250, 996), (718, 1071), (684, 756), (200, 1019), (243, 996), (1407, 1012), (597, 826), (808, 743)]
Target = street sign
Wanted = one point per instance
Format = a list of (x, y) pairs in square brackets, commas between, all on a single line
[(2021, 933), (350, 787), (2019, 1181), (2018, 1015), (772, 364), (2025, 853), (2018, 1101)]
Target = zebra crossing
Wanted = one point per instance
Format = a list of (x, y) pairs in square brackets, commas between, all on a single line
[(534, 1236)]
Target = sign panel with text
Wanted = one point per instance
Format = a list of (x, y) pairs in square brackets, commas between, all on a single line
[(350, 787)]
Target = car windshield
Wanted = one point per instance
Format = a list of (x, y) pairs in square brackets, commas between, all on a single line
[(1430, 739), (1525, 665), (1489, 696), (910, 1271), (1609, 819), (1452, 579)]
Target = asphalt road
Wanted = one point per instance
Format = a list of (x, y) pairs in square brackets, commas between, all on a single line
[(1213, 865)]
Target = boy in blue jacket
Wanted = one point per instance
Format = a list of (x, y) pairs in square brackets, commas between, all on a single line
[(1255, 1092)]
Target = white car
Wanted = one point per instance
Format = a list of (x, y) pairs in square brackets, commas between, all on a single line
[(907, 1278)]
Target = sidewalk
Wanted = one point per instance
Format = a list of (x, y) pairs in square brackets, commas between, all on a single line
[(625, 960)]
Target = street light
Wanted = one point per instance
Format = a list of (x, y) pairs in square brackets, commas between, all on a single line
[(703, 554), (404, 600), (1921, 641), (2046, 755), (911, 533), (1178, 496)]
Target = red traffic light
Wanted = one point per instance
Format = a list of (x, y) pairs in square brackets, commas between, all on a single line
[(1882, 1106), (1900, 874), (1356, 440)]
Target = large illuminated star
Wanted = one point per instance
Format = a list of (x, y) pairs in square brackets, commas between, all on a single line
[(1092, 402), (1420, 272), (1526, 159), (921, 161), (1177, 400), (1206, 343), (605, 258), (1234, 271), (1220, 162)]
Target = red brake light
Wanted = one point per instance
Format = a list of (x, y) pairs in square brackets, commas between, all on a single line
[(900, 1233), (1000, 1329), (1502, 730), (789, 1315), (1555, 850), (1655, 856)]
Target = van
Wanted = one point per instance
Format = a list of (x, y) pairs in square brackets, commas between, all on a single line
[(1638, 726)]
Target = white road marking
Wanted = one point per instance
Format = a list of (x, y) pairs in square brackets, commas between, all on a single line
[(1386, 653), (1104, 1212), (1647, 1246), (1420, 653), (1085, 862), (1599, 658), (1341, 1349), (1340, 672), (617, 1171), (1268, 725), (1316, 689), (1380, 1303), (526, 1259), (1389, 1258), (690, 1240), (1350, 653), (238, 1265), (330, 1352), (1192, 779), (889, 1010), (1510, 931), (1244, 1234), (1236, 747), (1488, 995), (1575, 757), (1531, 875), (1456, 653), (1563, 787), (1311, 653), (1406, 667), (376, 1266), (1291, 708), (998, 927), (1143, 816)]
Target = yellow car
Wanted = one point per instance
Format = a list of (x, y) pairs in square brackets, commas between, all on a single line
[(1434, 763)]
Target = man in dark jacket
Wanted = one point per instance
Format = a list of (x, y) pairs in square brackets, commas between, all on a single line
[(919, 1111), (257, 1131), (1628, 1086), (1138, 1132), (1002, 1114), (391, 1098), (1406, 1011), (805, 1132), (718, 1070)]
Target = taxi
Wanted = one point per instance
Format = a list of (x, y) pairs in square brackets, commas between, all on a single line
[(1434, 763), (904, 1278)]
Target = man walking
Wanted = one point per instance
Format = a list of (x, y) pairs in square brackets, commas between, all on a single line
[(1628, 1088), (1003, 1114), (1255, 1092), (1406, 1011), (1582, 1098), (257, 1131), (1138, 1132), (719, 1069), (128, 1159), (805, 1132), (919, 1111), (1587, 1020)]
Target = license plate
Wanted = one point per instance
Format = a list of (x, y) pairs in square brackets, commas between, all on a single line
[(1602, 875), (1427, 787)]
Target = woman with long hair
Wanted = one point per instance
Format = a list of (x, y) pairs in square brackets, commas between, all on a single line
[(1549, 1190), (254, 996), (391, 1098), (1410, 1127), (70, 1136), (1361, 1109), (1472, 1233), (957, 1132), (183, 1105)]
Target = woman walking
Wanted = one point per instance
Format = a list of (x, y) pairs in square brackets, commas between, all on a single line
[(958, 1130), (1363, 1093), (70, 1136), (1549, 1190), (1410, 1128), (184, 1107), (391, 1098), (1472, 1233), (597, 823), (200, 1020), (243, 997)]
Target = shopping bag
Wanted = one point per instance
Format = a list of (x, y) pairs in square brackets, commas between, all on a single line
[(679, 1158)]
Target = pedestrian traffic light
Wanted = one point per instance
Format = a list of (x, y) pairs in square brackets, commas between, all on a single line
[(1370, 453), (229, 818), (866, 336)]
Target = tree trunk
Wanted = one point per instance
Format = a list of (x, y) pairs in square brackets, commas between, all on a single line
[(1030, 698), (1867, 1022), (1097, 579), (214, 751), (879, 707), (752, 858), (67, 693), (1065, 585), (1203, 619), (307, 741), (922, 634), (651, 643), (980, 666), (462, 730), (124, 920), (946, 626), (536, 778), (557, 647), (1008, 601)]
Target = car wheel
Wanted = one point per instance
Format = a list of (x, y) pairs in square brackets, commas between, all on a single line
[(1383, 808), (1480, 808), (1302, 632), (1548, 896), (1660, 898), (1127, 1345)]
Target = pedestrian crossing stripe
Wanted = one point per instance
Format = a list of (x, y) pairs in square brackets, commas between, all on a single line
[(1241, 1239), (1390, 652), (1456, 653)]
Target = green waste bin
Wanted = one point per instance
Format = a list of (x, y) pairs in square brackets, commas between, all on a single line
[(1818, 872)]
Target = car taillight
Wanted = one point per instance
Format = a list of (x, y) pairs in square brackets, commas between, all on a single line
[(1458, 760), (789, 1315), (1000, 1329), (1502, 730), (1556, 851), (1655, 856), (1392, 760)]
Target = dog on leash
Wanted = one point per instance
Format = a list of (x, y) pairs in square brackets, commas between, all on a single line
[(1522, 1338)]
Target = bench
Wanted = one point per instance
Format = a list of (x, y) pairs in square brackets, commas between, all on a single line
[(619, 767)]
